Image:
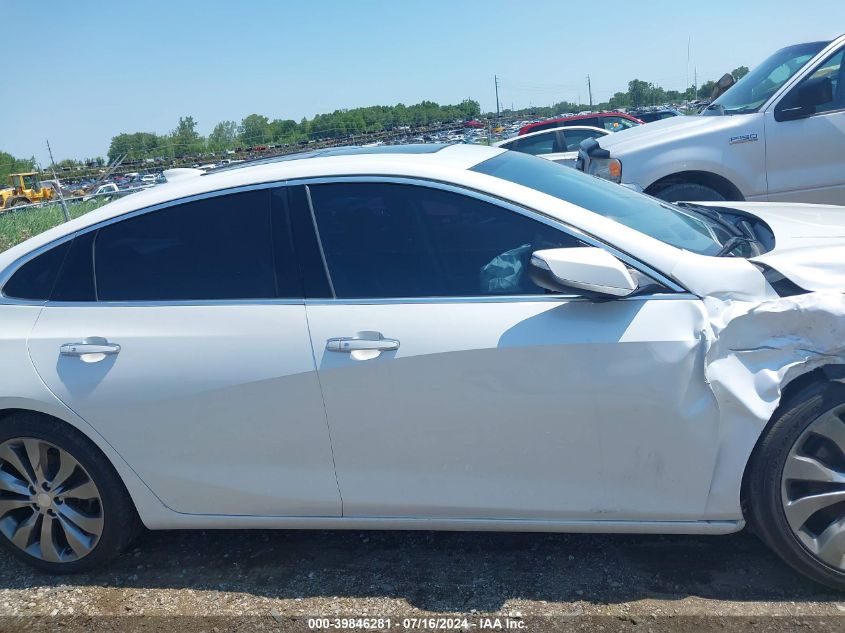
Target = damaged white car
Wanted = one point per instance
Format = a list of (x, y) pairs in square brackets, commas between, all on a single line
[(423, 337)]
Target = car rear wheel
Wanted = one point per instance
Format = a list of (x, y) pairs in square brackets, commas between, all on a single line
[(63, 508), (797, 486), (689, 192)]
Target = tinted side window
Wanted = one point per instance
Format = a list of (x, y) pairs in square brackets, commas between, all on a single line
[(76, 280), (833, 71), (217, 248), (536, 145), (385, 240), (573, 138), (616, 123), (592, 122), (34, 280), (304, 240), (543, 126)]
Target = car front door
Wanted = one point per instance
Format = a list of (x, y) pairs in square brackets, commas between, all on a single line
[(455, 387), (805, 157), (180, 336)]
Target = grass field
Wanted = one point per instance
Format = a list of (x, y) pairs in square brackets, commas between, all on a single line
[(17, 226)]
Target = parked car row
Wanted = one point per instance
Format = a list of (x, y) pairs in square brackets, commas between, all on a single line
[(778, 134)]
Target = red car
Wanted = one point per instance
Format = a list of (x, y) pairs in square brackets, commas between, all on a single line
[(611, 121)]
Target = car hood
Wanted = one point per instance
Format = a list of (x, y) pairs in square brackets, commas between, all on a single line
[(809, 242), (675, 130)]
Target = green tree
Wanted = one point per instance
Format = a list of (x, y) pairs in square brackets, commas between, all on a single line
[(11, 165), (136, 146), (185, 140), (254, 130), (739, 73), (706, 89), (639, 92), (283, 130), (224, 136)]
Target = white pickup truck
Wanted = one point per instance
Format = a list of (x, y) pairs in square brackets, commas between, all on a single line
[(778, 134)]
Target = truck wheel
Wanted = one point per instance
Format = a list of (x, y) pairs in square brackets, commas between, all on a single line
[(689, 192), (797, 487), (18, 201)]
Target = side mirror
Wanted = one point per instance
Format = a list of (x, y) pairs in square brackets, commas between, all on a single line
[(802, 102), (588, 271), (725, 81)]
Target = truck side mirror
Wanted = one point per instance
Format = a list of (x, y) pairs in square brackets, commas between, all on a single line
[(803, 101), (725, 81)]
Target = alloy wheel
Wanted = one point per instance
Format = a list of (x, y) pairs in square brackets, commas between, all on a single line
[(49, 506), (813, 488)]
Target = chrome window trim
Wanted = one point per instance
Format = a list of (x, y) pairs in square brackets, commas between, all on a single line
[(514, 207), (496, 299), (374, 178), (175, 303)]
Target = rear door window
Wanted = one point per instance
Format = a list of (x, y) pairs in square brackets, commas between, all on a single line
[(573, 138), (215, 248), (34, 280), (537, 145)]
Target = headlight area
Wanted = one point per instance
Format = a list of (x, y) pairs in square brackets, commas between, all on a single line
[(607, 168)]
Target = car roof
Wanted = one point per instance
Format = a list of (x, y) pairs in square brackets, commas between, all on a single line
[(600, 115), (350, 150), (433, 161)]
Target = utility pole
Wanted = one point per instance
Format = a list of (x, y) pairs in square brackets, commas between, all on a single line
[(686, 87), (58, 186), (695, 83), (590, 90), (496, 81)]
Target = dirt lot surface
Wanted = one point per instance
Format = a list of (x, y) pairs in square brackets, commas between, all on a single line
[(258, 580)]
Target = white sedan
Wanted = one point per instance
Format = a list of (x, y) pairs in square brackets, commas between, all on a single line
[(560, 145), (420, 337)]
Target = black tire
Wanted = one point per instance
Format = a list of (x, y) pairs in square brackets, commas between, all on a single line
[(15, 202), (764, 498), (120, 519), (689, 192)]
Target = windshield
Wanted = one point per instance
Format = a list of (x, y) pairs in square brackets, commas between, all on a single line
[(682, 228), (758, 86)]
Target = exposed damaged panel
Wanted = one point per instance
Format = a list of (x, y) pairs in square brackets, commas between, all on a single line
[(755, 349)]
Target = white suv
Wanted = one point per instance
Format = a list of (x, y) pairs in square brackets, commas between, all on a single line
[(778, 134)]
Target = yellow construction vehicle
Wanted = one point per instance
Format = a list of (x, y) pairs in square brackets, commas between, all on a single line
[(25, 189)]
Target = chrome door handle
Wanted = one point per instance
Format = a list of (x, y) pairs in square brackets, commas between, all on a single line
[(364, 341), (90, 345)]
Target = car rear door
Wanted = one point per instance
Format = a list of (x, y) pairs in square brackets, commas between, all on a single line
[(180, 335), (805, 157), (455, 387)]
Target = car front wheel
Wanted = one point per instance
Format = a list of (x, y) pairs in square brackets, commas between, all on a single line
[(797, 487), (63, 508)]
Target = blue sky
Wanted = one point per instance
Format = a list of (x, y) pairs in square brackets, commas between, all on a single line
[(100, 68)]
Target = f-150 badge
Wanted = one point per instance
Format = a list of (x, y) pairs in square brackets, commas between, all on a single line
[(743, 138)]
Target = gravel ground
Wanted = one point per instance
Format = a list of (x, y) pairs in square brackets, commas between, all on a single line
[(258, 579)]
